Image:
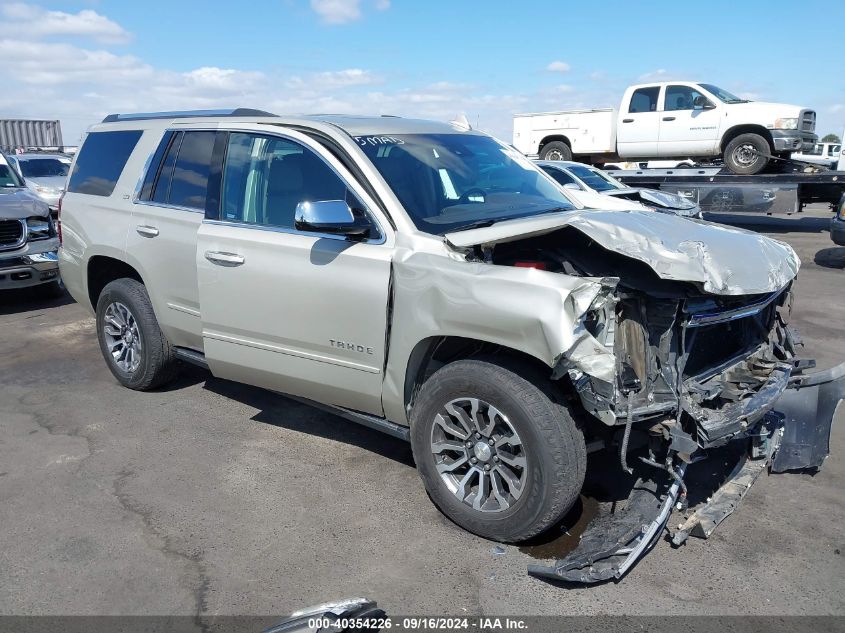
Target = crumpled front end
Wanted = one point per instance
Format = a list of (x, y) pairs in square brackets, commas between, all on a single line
[(693, 375), (688, 351), (711, 365)]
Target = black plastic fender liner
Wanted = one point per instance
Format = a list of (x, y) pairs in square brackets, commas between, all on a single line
[(808, 406), (615, 542)]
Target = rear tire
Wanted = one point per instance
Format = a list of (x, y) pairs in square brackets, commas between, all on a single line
[(519, 420), (556, 150), (744, 154), (134, 347)]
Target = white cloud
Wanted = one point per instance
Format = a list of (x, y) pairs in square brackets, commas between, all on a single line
[(32, 21), (382, 5), (221, 80), (655, 75), (559, 67), (337, 11), (347, 77), (51, 63)]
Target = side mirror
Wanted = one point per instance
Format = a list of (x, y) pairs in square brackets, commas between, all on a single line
[(572, 186), (702, 103), (329, 216)]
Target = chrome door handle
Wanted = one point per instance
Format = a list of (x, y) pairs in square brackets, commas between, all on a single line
[(146, 231), (224, 259)]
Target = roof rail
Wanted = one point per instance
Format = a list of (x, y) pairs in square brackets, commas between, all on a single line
[(183, 114)]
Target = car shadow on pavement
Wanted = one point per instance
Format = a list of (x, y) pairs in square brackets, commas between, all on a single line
[(28, 299), (833, 257), (772, 224), (283, 412)]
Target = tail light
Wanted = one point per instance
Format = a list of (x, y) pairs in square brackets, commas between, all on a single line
[(59, 218), (537, 265)]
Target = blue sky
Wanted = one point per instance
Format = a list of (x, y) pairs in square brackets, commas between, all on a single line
[(78, 60)]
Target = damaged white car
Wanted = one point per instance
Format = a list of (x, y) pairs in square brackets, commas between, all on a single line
[(429, 281)]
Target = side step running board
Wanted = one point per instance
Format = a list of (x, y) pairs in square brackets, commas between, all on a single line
[(190, 356)]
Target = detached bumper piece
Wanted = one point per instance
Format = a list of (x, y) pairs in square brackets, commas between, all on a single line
[(794, 435), (808, 406), (614, 542)]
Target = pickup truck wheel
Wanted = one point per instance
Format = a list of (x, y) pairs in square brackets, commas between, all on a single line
[(496, 453), (744, 154), (135, 349), (556, 150)]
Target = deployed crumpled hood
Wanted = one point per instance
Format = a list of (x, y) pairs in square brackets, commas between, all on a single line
[(16, 204), (725, 261), (655, 196)]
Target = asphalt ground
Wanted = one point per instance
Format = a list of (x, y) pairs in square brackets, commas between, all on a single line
[(209, 497)]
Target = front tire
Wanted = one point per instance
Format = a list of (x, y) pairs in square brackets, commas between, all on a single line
[(134, 347), (556, 150), (744, 154), (496, 453)]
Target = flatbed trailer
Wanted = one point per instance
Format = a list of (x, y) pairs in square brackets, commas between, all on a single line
[(719, 191)]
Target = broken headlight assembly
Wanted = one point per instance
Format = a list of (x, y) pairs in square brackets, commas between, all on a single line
[(38, 228)]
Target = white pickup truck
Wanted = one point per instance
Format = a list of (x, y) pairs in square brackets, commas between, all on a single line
[(670, 120)]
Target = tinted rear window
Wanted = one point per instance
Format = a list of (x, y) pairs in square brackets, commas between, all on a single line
[(101, 161), (190, 174), (179, 170)]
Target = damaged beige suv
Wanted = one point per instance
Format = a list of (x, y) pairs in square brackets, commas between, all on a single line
[(428, 281)]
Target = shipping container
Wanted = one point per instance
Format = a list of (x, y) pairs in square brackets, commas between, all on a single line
[(24, 133)]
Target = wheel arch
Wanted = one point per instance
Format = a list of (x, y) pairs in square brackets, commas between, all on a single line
[(103, 269), (433, 352), (746, 128), (554, 137)]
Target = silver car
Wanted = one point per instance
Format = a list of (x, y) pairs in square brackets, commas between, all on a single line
[(581, 177), (44, 174)]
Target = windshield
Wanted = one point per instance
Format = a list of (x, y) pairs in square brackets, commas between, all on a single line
[(448, 182), (43, 167), (8, 176), (594, 178), (723, 95)]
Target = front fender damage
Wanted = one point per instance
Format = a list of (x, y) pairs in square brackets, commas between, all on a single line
[(535, 312)]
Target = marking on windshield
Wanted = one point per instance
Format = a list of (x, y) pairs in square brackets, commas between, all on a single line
[(379, 140)]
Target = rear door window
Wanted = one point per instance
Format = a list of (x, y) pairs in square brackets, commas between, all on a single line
[(189, 185), (161, 187), (644, 99), (154, 169), (101, 161), (179, 170)]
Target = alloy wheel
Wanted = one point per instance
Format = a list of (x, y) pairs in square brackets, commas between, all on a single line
[(123, 337), (479, 455)]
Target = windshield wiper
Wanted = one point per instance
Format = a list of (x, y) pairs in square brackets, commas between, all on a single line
[(476, 225), (491, 221)]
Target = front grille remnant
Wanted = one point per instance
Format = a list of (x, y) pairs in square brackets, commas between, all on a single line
[(711, 363), (12, 234)]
